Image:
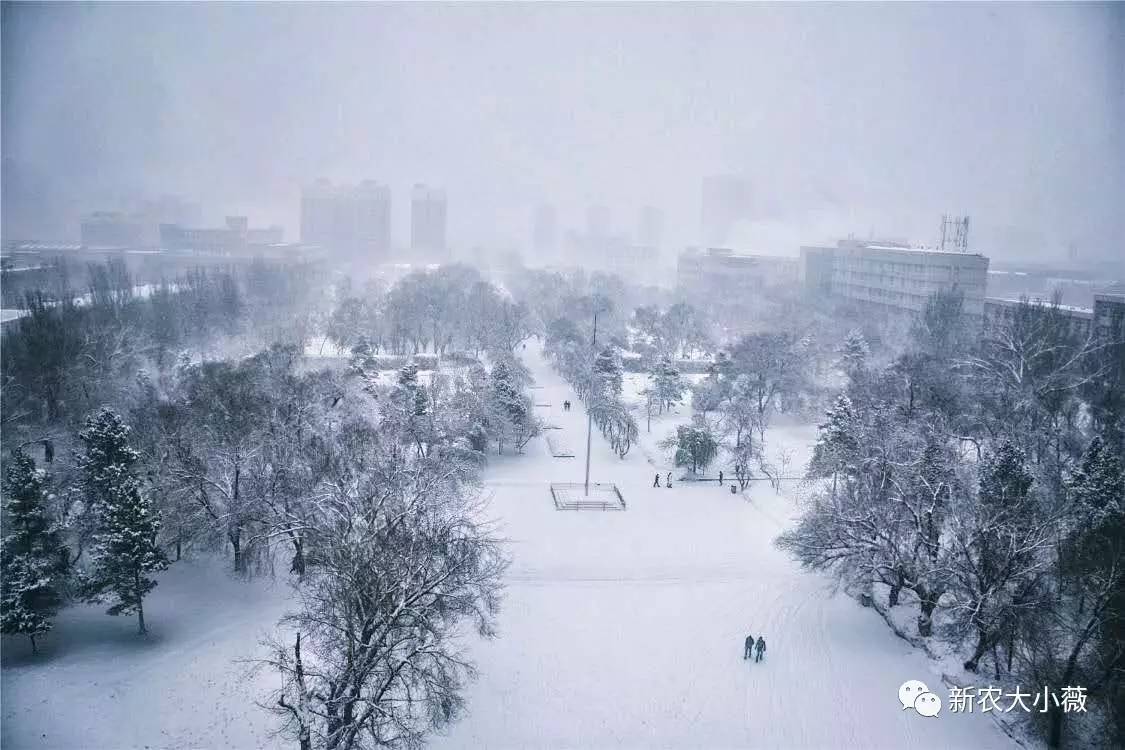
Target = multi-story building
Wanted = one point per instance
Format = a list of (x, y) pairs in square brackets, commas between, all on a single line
[(235, 238), (898, 280), (1000, 311), (816, 269), (348, 219), (427, 221), (318, 214), (106, 229), (1109, 318), (720, 272)]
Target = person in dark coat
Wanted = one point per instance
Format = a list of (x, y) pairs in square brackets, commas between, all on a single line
[(748, 648), (656, 480), (760, 647), (720, 478)]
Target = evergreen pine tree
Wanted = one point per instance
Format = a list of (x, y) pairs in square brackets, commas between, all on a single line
[(1098, 482), (33, 560), (854, 353), (837, 439), (125, 550)]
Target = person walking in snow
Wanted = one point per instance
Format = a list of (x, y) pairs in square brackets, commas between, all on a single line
[(656, 480), (720, 477), (748, 648), (761, 648), (669, 481)]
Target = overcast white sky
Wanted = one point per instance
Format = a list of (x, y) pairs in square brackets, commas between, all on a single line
[(842, 116)]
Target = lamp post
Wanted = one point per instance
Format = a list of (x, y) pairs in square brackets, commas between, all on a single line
[(589, 402)]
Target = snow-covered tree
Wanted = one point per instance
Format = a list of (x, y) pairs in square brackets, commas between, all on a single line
[(1081, 638), (403, 568), (708, 394), (837, 439), (33, 561), (775, 365), (125, 552), (1004, 550), (226, 408), (511, 326), (695, 445), (854, 353), (608, 374), (513, 416), (740, 410), (683, 329), (665, 383), (744, 456), (1098, 484)]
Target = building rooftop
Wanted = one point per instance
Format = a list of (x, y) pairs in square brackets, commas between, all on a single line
[(1040, 302), (905, 249)]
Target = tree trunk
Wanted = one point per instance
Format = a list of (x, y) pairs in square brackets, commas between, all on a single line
[(236, 545), (140, 603), (926, 619), (978, 652), (1054, 737), (896, 589), (298, 564)]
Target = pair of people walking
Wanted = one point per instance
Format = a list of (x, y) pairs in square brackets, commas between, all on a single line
[(566, 406), (755, 649), (656, 480)]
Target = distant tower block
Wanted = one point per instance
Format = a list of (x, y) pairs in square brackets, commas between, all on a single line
[(954, 234)]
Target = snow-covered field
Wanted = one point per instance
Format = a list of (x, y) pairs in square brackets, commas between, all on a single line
[(619, 629)]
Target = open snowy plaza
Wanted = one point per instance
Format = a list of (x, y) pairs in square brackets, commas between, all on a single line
[(617, 629)]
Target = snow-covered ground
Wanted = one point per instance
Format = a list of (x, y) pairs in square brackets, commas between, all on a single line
[(619, 629), (97, 685)]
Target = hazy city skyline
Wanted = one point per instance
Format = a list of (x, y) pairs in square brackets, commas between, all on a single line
[(841, 117)]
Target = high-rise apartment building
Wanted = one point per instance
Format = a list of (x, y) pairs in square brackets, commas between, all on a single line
[(428, 221)]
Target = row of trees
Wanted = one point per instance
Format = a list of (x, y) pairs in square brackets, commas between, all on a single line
[(597, 378), (68, 355), (438, 310), (982, 479), (679, 330)]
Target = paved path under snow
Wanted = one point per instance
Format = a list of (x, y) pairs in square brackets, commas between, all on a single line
[(625, 630)]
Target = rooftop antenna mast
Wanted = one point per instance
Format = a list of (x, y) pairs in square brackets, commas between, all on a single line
[(954, 234)]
